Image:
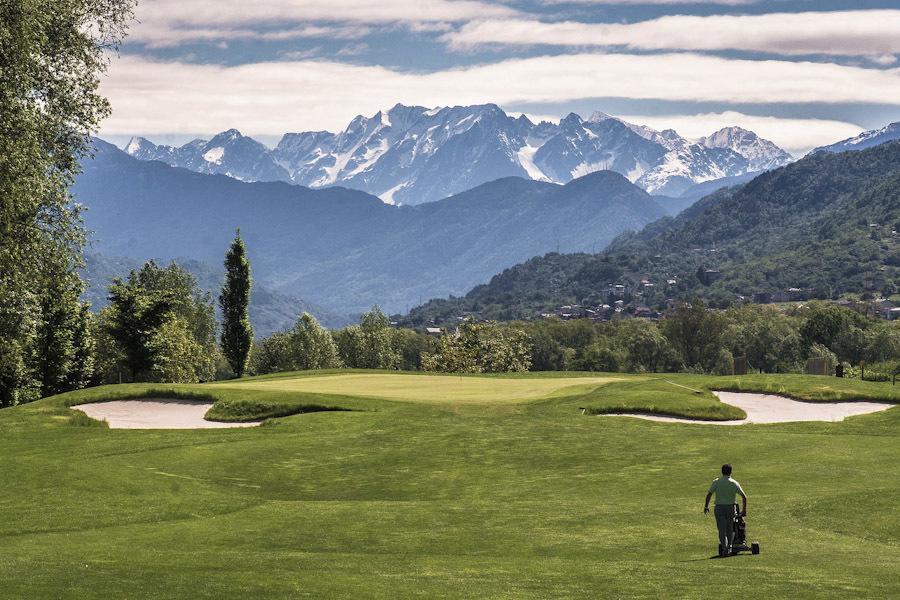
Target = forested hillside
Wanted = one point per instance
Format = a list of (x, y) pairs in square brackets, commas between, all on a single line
[(344, 249), (822, 227)]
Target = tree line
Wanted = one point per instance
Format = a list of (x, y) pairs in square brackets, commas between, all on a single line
[(160, 327), (691, 338)]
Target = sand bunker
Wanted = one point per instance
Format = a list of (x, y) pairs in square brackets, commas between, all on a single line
[(155, 413), (767, 408)]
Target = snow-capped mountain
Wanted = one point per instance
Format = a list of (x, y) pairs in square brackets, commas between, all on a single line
[(413, 154), (866, 139), (761, 155), (228, 153), (410, 154)]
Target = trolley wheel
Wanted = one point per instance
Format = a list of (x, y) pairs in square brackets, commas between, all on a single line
[(754, 548)]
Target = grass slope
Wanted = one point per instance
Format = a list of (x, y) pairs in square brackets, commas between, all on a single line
[(486, 499)]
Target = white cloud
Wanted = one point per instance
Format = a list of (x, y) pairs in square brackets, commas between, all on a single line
[(850, 33), (274, 97), (160, 36), (656, 2), (797, 136), (884, 59), (170, 22)]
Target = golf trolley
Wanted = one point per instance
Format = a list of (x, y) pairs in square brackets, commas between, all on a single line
[(739, 543)]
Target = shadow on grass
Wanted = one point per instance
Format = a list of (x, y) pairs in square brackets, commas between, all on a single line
[(258, 410)]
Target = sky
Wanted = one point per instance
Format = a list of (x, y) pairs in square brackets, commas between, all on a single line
[(802, 73)]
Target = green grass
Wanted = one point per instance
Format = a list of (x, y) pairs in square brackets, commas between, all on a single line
[(661, 396), (437, 389), (422, 497), (812, 388)]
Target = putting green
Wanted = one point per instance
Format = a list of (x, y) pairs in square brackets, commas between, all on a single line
[(433, 389)]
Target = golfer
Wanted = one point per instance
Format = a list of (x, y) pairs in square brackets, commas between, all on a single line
[(726, 489)]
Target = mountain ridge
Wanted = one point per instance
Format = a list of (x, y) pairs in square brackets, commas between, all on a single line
[(866, 139), (413, 154), (821, 227), (344, 249)]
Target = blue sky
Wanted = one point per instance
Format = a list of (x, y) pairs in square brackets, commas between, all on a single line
[(801, 73)]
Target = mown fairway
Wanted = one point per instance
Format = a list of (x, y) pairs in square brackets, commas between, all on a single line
[(445, 486)]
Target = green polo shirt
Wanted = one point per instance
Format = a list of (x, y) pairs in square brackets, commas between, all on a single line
[(726, 490)]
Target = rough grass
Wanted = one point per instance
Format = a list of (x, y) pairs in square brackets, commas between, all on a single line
[(79, 419), (658, 396), (255, 409), (436, 500), (812, 388)]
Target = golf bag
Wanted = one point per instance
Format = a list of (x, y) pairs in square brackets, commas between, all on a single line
[(739, 543)]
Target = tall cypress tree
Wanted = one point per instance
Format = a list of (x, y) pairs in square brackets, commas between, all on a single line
[(237, 333)]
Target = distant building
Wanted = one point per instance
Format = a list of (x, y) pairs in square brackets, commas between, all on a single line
[(643, 312), (708, 276)]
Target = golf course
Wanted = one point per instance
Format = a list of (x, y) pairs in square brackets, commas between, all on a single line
[(368, 484)]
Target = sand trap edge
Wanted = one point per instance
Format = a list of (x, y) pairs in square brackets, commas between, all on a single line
[(156, 413)]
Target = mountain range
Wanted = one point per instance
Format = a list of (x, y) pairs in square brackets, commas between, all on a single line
[(344, 249), (866, 139), (413, 154), (824, 226)]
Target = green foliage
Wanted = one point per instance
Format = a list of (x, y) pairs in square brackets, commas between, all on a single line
[(311, 346), (601, 356), (269, 310), (696, 334), (369, 345), (824, 352), (697, 339), (768, 338), (18, 330), (410, 345), (271, 354), (878, 371), (306, 346), (109, 358), (234, 300), (51, 58), (823, 224), (883, 342), (481, 348), (63, 350), (647, 349), (548, 354), (832, 327), (82, 365), (163, 327), (724, 363), (174, 352)]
